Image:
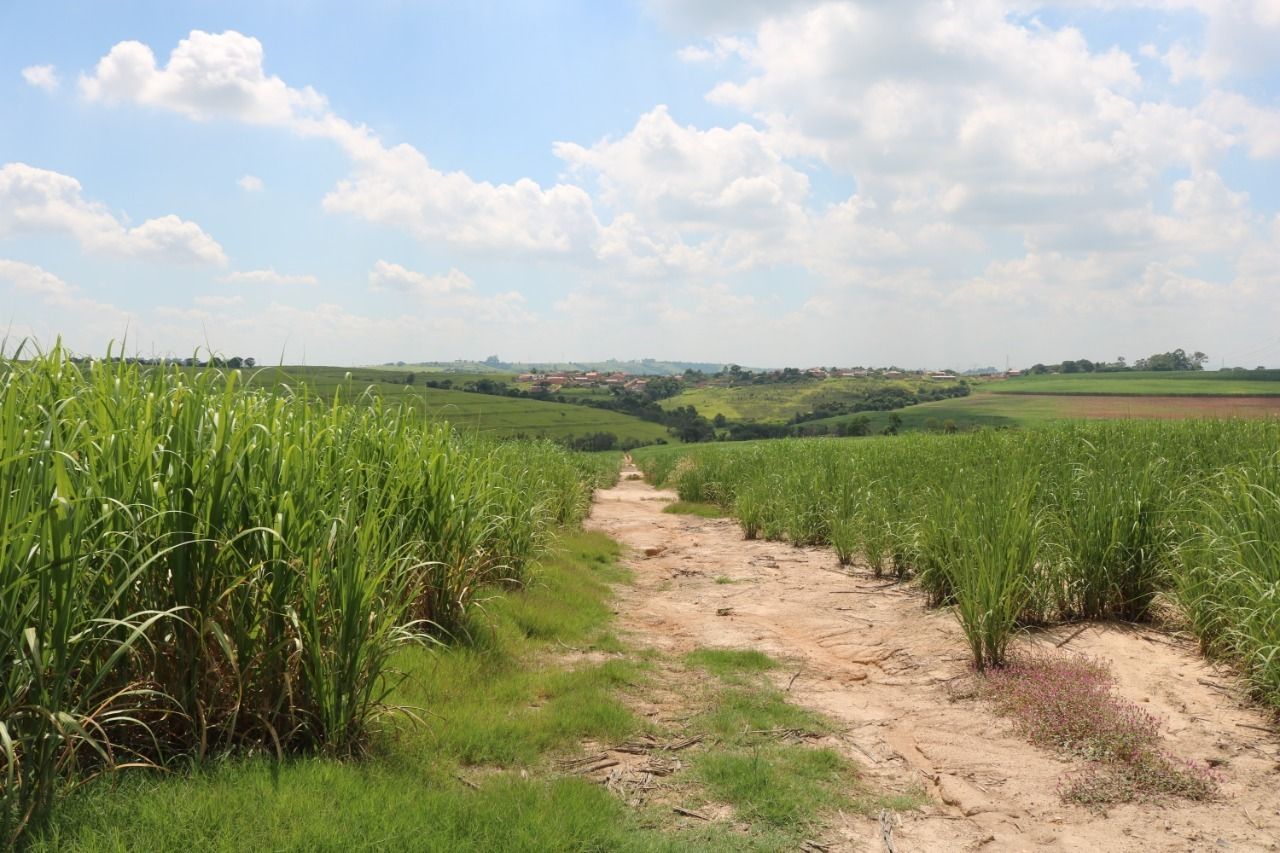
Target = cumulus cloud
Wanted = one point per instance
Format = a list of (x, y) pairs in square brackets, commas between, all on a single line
[(207, 76), (452, 293), (216, 301), (388, 276), (42, 77), (399, 187), (1239, 40), (269, 276), (34, 201), (70, 310), (250, 183), (680, 175), (34, 279), (704, 16), (991, 162), (221, 75)]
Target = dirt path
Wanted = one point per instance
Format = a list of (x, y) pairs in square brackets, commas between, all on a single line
[(871, 656)]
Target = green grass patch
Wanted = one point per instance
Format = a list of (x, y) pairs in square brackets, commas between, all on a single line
[(778, 785), (740, 713), (329, 806), (772, 782), (702, 510), (724, 662)]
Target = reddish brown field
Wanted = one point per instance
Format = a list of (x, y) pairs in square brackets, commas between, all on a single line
[(1170, 407)]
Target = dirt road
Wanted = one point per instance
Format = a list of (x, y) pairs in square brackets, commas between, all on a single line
[(871, 656)]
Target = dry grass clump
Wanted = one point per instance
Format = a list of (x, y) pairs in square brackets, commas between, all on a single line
[(1067, 703)]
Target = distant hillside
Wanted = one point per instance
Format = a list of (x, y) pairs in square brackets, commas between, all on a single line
[(642, 367), (507, 416)]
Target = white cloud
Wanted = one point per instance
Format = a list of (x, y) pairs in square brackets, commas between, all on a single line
[(993, 165), (703, 16), (398, 187), (207, 76), (450, 294), (219, 301), (1259, 126), (250, 183), (34, 279), (703, 180), (41, 201), (42, 77), (388, 276), (269, 276), (716, 49), (221, 75), (67, 311), (1240, 40)]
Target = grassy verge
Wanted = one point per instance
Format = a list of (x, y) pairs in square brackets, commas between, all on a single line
[(535, 677), (493, 705)]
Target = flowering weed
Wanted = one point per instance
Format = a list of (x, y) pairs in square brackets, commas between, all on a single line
[(1066, 702)]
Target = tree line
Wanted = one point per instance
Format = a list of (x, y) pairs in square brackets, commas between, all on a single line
[(1160, 361)]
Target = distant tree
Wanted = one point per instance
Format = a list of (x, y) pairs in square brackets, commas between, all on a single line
[(1039, 368), (250, 362), (861, 425), (410, 378), (720, 420), (1176, 360), (949, 426), (235, 362), (662, 387)]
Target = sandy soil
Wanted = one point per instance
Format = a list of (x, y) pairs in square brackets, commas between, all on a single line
[(871, 656)]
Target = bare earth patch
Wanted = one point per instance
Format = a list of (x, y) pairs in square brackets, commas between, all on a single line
[(1176, 408), (868, 654)]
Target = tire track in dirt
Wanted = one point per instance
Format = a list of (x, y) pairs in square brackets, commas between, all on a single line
[(870, 655)]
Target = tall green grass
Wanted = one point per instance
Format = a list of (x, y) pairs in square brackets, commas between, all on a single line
[(1077, 521), (188, 568)]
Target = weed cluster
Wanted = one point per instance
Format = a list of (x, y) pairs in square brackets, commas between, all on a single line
[(1066, 703)]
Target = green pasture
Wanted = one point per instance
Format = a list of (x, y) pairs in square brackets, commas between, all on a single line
[(777, 402), (1183, 383), (504, 416)]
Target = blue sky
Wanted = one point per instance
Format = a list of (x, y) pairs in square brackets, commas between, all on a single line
[(783, 182)]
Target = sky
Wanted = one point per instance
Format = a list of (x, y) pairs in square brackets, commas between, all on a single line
[(766, 182)]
